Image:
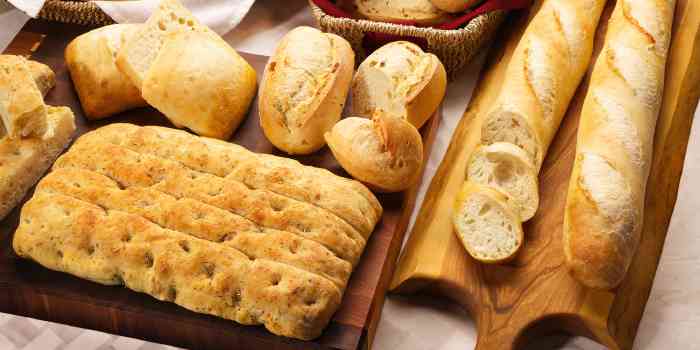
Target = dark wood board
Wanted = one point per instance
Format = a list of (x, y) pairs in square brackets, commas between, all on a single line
[(534, 294), (27, 289)]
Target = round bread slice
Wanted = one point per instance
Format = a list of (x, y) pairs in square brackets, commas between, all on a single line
[(487, 224), (507, 167)]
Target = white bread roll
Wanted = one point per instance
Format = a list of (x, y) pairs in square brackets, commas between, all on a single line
[(386, 152), (605, 203), (487, 223), (304, 88), (103, 89), (454, 6), (422, 12), (188, 72), (400, 79), (543, 74)]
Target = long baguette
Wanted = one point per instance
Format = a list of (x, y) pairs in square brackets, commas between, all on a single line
[(603, 217), (547, 66)]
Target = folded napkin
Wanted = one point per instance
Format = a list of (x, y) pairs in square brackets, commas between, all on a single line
[(219, 15)]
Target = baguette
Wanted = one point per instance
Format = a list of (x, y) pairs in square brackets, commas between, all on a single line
[(347, 199), (22, 107), (304, 88), (487, 223), (91, 60), (400, 79), (385, 152), (543, 74), (605, 202), (23, 161)]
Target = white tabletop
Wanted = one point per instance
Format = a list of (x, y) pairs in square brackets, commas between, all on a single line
[(671, 319)]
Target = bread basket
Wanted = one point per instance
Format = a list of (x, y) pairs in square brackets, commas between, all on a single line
[(76, 12), (455, 47)]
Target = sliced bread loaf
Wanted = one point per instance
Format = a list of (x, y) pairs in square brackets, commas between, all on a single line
[(487, 224), (507, 168)]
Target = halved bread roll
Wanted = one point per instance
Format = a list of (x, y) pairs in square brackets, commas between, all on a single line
[(507, 168), (102, 88), (304, 88), (22, 107), (400, 79), (487, 224), (386, 152), (188, 72)]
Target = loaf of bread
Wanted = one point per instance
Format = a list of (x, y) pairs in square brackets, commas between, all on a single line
[(386, 152), (543, 73), (605, 203), (126, 206), (454, 6), (103, 89), (22, 107), (24, 160), (487, 223), (422, 12), (188, 72), (400, 79), (304, 88)]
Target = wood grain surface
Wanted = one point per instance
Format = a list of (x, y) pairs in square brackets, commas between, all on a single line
[(534, 294), (27, 289)]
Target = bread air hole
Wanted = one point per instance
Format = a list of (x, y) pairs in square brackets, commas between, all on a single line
[(208, 269), (310, 301), (185, 246), (236, 298), (148, 259), (484, 209), (172, 293), (276, 279)]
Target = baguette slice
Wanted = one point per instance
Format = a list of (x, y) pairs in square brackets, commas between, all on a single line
[(23, 161), (400, 79), (22, 105), (507, 168), (487, 224)]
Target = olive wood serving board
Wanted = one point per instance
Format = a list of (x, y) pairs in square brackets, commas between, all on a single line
[(28, 289), (534, 294)]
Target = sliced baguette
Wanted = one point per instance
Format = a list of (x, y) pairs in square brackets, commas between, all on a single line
[(487, 224), (400, 79), (507, 168), (22, 107), (23, 161)]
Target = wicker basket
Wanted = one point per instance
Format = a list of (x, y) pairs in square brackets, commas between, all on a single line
[(77, 12), (455, 48)]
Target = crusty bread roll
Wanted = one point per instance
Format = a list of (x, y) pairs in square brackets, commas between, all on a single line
[(304, 88), (605, 203), (188, 72), (400, 79), (543, 74), (22, 107), (454, 6), (103, 89), (487, 223), (506, 167), (23, 161), (421, 12), (385, 152)]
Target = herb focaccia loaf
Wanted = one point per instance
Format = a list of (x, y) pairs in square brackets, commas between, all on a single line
[(127, 204)]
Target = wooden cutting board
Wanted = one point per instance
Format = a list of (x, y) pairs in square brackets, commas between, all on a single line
[(27, 289), (534, 294)]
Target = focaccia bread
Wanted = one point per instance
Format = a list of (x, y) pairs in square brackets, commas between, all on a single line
[(126, 204), (103, 89), (24, 160)]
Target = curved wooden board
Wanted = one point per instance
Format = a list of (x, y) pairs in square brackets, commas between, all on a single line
[(534, 294)]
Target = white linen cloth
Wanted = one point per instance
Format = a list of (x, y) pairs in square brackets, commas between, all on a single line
[(671, 319)]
